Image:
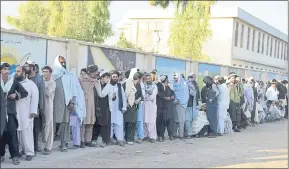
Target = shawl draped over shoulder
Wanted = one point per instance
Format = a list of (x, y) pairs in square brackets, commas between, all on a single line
[(71, 88), (181, 91)]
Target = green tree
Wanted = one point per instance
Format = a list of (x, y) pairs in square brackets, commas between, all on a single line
[(124, 43), (33, 17), (81, 20), (165, 3), (190, 29)]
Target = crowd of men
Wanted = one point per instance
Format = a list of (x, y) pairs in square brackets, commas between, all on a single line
[(125, 108)]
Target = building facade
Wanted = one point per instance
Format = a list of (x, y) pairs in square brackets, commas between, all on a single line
[(238, 38)]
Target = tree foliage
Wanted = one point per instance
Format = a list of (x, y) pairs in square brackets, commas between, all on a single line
[(180, 4), (81, 20), (124, 43), (190, 29)]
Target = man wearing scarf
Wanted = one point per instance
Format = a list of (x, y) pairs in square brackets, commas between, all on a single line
[(88, 83), (133, 97), (165, 119), (118, 108), (181, 102), (36, 78), (191, 108), (150, 109), (26, 111), (11, 91), (69, 97), (235, 99), (102, 126)]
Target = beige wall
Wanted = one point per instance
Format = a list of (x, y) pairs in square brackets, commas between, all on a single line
[(76, 53)]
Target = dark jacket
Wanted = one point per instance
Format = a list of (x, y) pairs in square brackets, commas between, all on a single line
[(282, 91), (12, 123)]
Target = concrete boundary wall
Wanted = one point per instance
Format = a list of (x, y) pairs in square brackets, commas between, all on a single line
[(43, 49)]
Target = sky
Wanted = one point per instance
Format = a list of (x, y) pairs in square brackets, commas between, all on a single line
[(274, 13)]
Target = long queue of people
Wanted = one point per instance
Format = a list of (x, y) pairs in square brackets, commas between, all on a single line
[(124, 110)]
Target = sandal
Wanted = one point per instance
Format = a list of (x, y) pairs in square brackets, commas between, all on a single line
[(15, 161)]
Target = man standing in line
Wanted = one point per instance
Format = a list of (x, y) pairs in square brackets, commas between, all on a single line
[(133, 98), (181, 101), (165, 120), (150, 109), (36, 78), (68, 97), (89, 84), (234, 106), (159, 101), (26, 111), (191, 108), (47, 117), (103, 124), (11, 91), (139, 124), (118, 108)]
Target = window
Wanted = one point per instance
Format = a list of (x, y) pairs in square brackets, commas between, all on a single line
[(253, 40), (236, 33), (277, 54), (242, 36), (248, 38), (286, 57), (263, 41), (282, 50), (271, 46), (267, 49), (259, 37), (275, 50)]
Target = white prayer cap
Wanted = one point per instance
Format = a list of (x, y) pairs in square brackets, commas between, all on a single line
[(191, 74), (163, 78), (30, 62), (176, 75), (104, 72), (216, 77)]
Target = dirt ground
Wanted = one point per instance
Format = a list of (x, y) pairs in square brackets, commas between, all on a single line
[(264, 146)]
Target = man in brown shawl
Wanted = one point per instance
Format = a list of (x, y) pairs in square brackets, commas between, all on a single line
[(88, 84)]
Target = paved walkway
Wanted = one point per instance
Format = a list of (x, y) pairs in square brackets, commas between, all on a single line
[(263, 146)]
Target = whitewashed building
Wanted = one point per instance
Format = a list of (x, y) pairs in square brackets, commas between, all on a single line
[(238, 38)]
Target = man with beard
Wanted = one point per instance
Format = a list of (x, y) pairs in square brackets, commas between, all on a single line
[(133, 97), (165, 120), (36, 78), (26, 111), (47, 117), (89, 84), (103, 117), (118, 108), (150, 109), (11, 91), (234, 106), (68, 97)]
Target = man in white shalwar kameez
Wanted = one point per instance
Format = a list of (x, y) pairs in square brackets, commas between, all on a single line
[(150, 109), (118, 108), (223, 104), (26, 111), (49, 91)]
